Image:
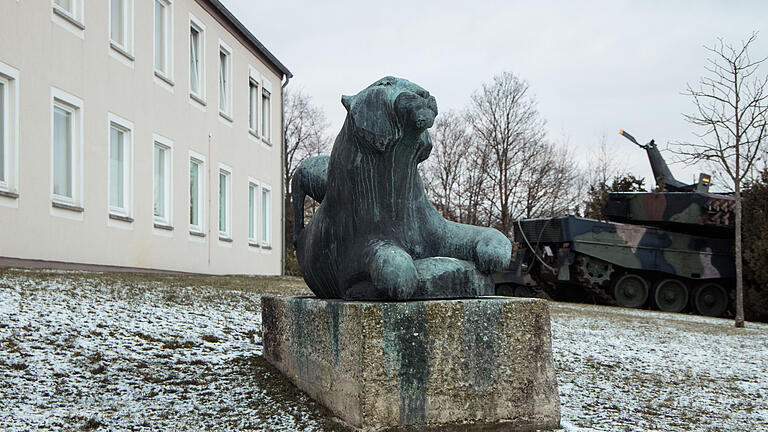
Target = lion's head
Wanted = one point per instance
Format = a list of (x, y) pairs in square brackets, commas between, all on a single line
[(390, 111)]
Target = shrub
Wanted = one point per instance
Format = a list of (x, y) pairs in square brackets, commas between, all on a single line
[(755, 248)]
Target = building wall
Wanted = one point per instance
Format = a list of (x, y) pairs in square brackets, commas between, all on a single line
[(49, 52)]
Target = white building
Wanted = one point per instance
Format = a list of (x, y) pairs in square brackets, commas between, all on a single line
[(139, 133)]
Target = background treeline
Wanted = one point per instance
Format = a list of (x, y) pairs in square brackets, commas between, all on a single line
[(493, 163)]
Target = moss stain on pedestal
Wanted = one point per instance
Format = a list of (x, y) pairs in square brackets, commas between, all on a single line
[(405, 342)]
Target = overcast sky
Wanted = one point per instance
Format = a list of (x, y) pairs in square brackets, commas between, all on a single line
[(594, 67)]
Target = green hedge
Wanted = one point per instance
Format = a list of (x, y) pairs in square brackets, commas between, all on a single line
[(755, 254)]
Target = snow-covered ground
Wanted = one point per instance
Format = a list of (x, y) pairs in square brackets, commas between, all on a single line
[(86, 351), (633, 370)]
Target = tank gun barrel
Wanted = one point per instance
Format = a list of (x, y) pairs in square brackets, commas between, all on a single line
[(626, 135), (661, 171)]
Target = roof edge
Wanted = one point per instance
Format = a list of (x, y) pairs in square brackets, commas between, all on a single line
[(220, 8)]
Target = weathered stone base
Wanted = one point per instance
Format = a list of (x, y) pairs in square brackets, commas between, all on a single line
[(443, 364)]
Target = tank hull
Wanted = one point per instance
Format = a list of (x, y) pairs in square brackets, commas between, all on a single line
[(568, 253)]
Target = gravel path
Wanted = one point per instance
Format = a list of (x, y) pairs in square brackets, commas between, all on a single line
[(86, 351)]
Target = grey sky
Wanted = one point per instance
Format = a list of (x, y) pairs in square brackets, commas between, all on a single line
[(594, 67)]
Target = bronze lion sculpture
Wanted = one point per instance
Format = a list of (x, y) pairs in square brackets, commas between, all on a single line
[(375, 235)]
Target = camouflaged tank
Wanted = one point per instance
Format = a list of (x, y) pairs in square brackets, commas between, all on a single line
[(669, 250)]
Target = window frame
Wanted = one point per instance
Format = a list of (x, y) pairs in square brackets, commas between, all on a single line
[(225, 235), (167, 74), (164, 221), (73, 13), (266, 241), (5, 88), (254, 100), (75, 106), (225, 111), (9, 76), (127, 128), (253, 211), (201, 163), (266, 114), (198, 25), (75, 17), (126, 47)]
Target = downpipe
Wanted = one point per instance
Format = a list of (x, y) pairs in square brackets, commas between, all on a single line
[(282, 175)]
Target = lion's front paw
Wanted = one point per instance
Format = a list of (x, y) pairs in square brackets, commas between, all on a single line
[(493, 252), (395, 274)]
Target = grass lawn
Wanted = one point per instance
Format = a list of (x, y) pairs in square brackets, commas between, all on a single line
[(129, 351)]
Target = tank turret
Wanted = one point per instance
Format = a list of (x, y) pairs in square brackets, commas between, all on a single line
[(661, 172), (678, 207)]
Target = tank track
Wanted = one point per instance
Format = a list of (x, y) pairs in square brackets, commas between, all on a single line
[(593, 287)]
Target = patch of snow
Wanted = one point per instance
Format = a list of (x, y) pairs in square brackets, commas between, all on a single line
[(83, 353), (80, 351), (635, 370)]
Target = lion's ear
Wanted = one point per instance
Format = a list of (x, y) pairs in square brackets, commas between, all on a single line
[(374, 117), (346, 101)]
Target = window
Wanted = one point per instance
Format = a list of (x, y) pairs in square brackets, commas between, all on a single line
[(70, 10), (66, 5), (266, 220), (266, 115), (196, 193), (8, 115), (9, 78), (225, 203), (253, 101), (66, 139), (8, 126), (225, 85), (121, 25), (196, 60), (163, 32), (120, 156), (162, 182), (3, 132), (253, 203), (63, 119)]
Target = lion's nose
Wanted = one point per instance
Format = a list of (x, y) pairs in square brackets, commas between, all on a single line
[(432, 104), (425, 119)]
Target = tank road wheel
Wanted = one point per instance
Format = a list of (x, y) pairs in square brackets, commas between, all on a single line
[(505, 290), (523, 291), (671, 295), (630, 290), (710, 299)]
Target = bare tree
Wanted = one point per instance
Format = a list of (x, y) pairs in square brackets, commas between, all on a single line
[(731, 107), (603, 163), (604, 171), (473, 188), (445, 167), (305, 131), (505, 123), (547, 182)]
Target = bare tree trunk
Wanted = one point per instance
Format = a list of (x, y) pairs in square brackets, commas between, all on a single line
[(739, 268)]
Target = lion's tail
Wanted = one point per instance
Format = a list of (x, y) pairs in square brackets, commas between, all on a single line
[(310, 179)]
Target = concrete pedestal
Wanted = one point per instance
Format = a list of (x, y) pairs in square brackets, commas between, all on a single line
[(442, 364)]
